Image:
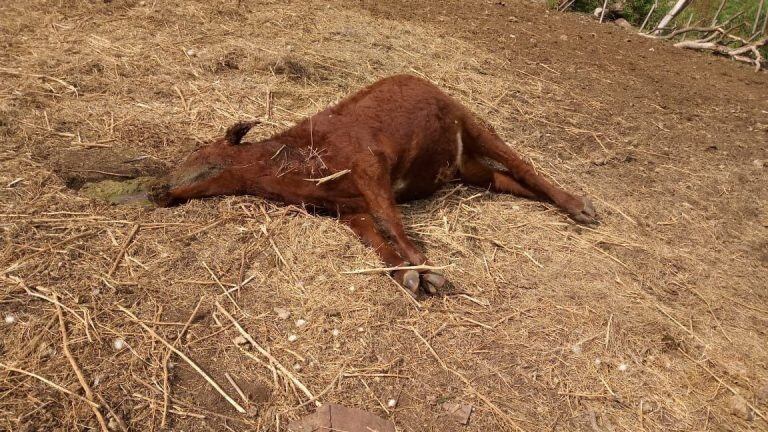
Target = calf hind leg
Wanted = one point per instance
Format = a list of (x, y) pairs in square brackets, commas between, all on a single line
[(478, 174), (482, 141), (362, 224)]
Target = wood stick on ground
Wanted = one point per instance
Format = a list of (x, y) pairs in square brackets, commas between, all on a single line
[(166, 383), (76, 368), (123, 249), (724, 384), (266, 354), (272, 243), (647, 17), (218, 282), (467, 382), (203, 229), (184, 357), (717, 14), (658, 306), (49, 382), (757, 16), (120, 423), (237, 388), (21, 261), (389, 269), (602, 10)]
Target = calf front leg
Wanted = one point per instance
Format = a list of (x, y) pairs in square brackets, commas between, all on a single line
[(362, 224)]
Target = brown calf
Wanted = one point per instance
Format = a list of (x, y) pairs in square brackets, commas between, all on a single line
[(396, 140)]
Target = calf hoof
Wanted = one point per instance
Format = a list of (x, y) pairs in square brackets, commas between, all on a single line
[(586, 214), (432, 282), (428, 282), (410, 280)]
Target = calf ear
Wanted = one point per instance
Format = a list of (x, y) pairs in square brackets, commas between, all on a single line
[(237, 131)]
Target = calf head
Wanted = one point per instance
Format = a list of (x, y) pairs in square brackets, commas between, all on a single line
[(210, 170)]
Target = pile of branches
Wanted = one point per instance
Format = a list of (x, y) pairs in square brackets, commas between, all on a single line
[(721, 38)]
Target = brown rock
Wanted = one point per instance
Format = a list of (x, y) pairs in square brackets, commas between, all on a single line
[(739, 407), (458, 412), (336, 417)]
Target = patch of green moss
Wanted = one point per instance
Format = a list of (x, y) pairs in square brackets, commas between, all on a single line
[(128, 192)]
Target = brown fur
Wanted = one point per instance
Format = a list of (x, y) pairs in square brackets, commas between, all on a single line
[(398, 139)]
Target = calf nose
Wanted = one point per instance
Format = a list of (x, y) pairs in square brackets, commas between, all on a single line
[(159, 194)]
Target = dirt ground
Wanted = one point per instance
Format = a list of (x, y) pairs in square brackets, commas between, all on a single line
[(654, 320)]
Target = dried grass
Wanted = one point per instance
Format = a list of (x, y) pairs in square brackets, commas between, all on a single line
[(548, 313)]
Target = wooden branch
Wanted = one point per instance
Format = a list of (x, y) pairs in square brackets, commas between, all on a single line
[(719, 9), (757, 17), (266, 353), (123, 249), (647, 17), (76, 368), (672, 14), (49, 382), (737, 54), (602, 12), (184, 357)]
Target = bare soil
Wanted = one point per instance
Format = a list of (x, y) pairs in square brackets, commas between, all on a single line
[(652, 320)]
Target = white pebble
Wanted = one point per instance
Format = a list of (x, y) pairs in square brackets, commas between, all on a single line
[(118, 344), (623, 367), (576, 348), (240, 340), (282, 313), (360, 329), (297, 367), (292, 338), (392, 403), (191, 52), (335, 332), (10, 318), (300, 322), (598, 362)]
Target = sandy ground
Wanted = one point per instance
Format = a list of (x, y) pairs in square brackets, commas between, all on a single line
[(652, 320)]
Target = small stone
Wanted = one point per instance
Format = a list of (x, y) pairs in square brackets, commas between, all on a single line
[(458, 411), (191, 52), (118, 344), (564, 37), (598, 362), (360, 329), (282, 313), (758, 163), (739, 407), (297, 367), (113, 424), (392, 403), (300, 322), (623, 367), (762, 393), (335, 332), (10, 318), (576, 348), (240, 340), (97, 379), (648, 406), (44, 349), (292, 338)]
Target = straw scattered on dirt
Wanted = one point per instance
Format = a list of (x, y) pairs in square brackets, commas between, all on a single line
[(653, 320)]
